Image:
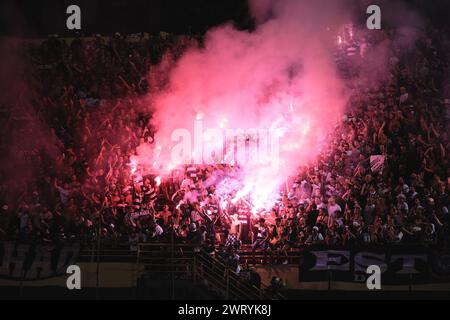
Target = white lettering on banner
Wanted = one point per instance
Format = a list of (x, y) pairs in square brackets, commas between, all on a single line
[(15, 260), (22, 261), (360, 261), (41, 267), (365, 259), (325, 260), (408, 262)]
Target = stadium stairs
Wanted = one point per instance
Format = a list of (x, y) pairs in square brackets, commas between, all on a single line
[(180, 268)]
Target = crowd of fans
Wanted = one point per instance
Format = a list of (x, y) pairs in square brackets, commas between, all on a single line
[(91, 97)]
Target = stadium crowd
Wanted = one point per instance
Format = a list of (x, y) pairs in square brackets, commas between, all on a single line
[(384, 178)]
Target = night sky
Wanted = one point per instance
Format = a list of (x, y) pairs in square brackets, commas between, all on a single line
[(43, 17)]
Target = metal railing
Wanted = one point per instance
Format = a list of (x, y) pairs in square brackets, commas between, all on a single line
[(174, 261)]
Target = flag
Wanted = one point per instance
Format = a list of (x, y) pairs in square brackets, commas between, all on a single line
[(377, 163)]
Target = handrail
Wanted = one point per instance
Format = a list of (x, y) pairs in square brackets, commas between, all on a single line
[(231, 275), (204, 267), (238, 284), (223, 278)]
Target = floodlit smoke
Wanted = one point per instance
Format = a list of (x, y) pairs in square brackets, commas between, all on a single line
[(279, 81), (381, 54)]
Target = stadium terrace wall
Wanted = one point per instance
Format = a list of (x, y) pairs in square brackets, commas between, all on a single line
[(405, 268)]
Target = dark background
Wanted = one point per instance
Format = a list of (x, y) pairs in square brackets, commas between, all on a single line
[(42, 17)]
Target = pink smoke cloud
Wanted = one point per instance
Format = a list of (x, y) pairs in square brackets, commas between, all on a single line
[(280, 77)]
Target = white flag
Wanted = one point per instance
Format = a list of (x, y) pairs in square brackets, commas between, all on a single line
[(377, 163)]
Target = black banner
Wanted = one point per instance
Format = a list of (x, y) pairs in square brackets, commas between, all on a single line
[(399, 265), (33, 262)]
